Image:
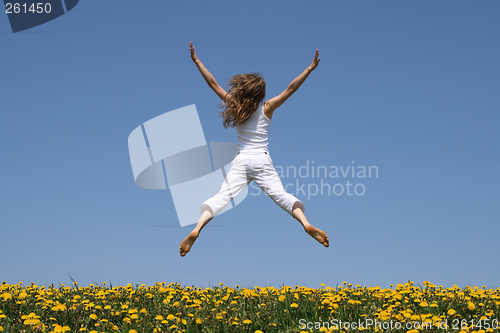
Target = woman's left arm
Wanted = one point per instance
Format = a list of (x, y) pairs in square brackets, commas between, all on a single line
[(275, 102), (209, 78)]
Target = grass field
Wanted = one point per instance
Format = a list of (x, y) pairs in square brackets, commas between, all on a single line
[(175, 308)]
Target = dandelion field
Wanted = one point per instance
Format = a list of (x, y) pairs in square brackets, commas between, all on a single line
[(174, 308)]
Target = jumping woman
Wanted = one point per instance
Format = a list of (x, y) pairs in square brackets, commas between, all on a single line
[(244, 109)]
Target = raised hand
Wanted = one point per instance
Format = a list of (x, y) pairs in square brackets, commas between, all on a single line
[(315, 61), (209, 78), (193, 54)]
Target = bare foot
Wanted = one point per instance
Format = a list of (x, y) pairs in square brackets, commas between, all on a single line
[(318, 235), (187, 243)]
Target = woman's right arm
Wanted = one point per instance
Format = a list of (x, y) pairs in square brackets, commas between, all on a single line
[(275, 102), (209, 78)]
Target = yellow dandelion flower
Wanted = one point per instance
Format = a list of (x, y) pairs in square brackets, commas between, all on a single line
[(294, 305), (198, 321), (159, 317), (134, 316), (247, 321), (132, 331), (93, 316), (471, 306), (31, 322), (170, 317), (61, 329), (451, 312), (59, 307)]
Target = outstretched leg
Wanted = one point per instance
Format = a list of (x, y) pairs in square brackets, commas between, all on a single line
[(186, 244), (269, 181), (235, 181), (314, 232)]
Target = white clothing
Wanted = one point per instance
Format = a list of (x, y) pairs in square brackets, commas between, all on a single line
[(245, 168), (252, 134), (252, 163)]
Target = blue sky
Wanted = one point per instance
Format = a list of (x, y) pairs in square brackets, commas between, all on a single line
[(409, 87)]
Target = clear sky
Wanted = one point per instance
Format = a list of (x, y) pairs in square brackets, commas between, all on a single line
[(410, 87)]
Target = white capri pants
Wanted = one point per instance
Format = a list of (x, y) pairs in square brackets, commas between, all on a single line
[(245, 168)]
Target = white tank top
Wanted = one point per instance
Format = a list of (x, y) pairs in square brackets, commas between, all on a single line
[(252, 134)]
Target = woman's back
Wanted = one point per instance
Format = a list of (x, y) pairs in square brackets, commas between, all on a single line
[(252, 134)]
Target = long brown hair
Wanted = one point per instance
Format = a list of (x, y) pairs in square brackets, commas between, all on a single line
[(247, 92)]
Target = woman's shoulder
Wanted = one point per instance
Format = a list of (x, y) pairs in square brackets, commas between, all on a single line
[(263, 110)]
